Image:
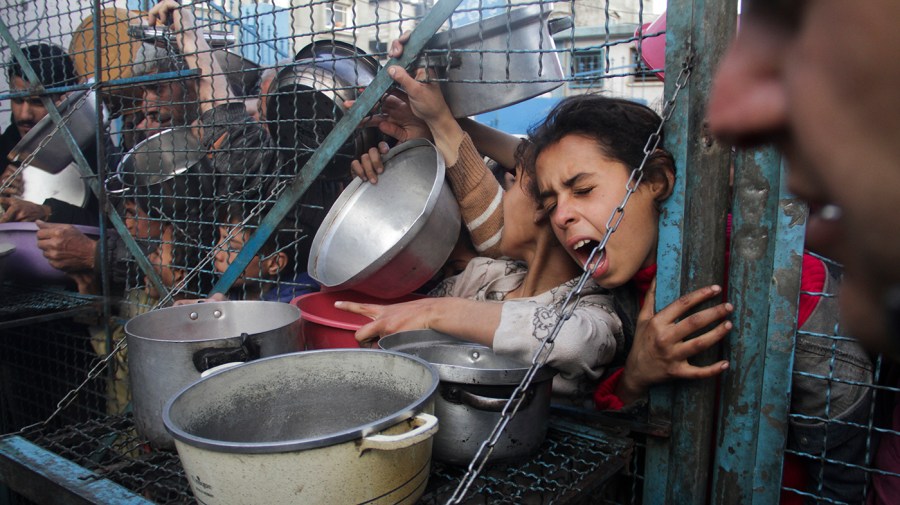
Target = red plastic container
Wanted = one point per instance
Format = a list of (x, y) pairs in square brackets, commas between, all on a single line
[(326, 327)]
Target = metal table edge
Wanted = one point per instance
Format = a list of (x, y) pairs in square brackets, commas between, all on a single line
[(40, 475)]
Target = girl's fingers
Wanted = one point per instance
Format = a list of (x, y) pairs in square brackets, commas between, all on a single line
[(694, 346), (688, 371), (702, 319), (648, 308), (685, 303)]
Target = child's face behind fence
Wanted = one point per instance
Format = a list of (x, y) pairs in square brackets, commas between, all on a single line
[(580, 187), (162, 259), (228, 248)]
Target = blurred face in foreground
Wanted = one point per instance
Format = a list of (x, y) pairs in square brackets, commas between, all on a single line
[(826, 94)]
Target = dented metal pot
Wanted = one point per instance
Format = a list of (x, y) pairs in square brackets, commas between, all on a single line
[(475, 386), (169, 348)]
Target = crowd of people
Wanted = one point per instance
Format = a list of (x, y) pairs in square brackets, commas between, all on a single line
[(790, 77)]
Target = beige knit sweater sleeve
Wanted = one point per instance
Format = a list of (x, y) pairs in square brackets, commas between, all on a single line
[(480, 198)]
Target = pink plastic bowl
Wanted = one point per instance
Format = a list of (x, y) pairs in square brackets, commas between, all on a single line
[(326, 327), (28, 263)]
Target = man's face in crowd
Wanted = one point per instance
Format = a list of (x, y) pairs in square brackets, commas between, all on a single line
[(27, 111), (167, 104), (819, 78)]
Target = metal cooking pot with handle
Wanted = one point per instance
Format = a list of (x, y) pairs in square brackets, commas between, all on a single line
[(499, 61), (306, 100), (331, 426), (475, 386), (169, 348)]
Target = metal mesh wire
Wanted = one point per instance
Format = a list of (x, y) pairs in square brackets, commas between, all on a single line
[(191, 226), (573, 464)]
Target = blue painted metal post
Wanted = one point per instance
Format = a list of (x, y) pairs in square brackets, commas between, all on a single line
[(766, 256), (691, 251), (333, 142)]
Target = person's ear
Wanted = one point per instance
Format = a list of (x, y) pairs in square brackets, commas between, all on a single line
[(275, 264), (178, 274), (666, 192), (663, 185)]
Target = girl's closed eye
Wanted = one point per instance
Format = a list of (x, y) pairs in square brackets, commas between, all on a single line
[(583, 190)]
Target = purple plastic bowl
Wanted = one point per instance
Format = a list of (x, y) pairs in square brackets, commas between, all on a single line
[(28, 262)]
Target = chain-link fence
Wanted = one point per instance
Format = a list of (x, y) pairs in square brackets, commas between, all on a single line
[(204, 148)]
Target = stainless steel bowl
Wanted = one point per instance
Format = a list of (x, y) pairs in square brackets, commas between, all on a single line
[(164, 172), (388, 239)]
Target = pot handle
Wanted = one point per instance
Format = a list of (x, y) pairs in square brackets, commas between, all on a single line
[(454, 394), (426, 425), (557, 25), (205, 359)]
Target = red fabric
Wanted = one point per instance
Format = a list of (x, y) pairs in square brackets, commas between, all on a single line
[(793, 476), (812, 280), (642, 280), (604, 396)]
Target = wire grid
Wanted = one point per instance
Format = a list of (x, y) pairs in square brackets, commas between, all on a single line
[(197, 221), (837, 396), (572, 465), (39, 364), (21, 304)]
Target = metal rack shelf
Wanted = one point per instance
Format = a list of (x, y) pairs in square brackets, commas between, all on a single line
[(24, 305), (105, 458)]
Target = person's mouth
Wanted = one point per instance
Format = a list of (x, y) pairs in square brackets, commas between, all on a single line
[(582, 249), (25, 127), (824, 232)]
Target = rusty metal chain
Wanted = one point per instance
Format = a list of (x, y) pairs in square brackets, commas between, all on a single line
[(543, 352)]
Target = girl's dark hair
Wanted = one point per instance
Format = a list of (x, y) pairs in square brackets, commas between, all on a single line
[(620, 127)]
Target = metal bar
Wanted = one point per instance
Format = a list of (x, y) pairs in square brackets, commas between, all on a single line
[(776, 387), (691, 249), (80, 161), (335, 140), (44, 477), (752, 252)]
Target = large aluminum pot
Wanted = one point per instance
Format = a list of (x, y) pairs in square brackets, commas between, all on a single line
[(475, 386), (498, 62), (388, 239), (169, 348), (306, 100), (332, 426)]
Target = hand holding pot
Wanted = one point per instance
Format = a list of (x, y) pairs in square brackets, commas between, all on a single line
[(369, 165), (65, 247), (215, 297), (11, 182), (22, 211)]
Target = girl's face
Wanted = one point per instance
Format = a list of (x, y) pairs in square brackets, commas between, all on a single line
[(580, 187), (519, 229)]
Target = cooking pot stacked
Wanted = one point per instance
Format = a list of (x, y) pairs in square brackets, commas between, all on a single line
[(306, 99)]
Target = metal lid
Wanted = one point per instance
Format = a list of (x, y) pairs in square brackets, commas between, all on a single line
[(460, 361)]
